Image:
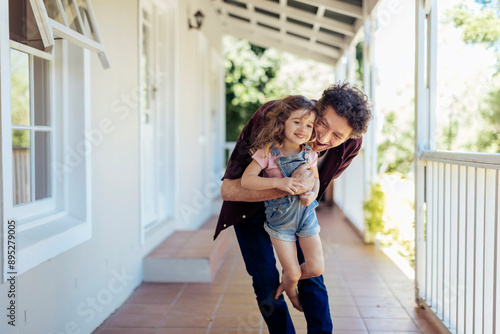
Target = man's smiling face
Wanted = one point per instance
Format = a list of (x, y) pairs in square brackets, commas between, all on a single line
[(331, 130)]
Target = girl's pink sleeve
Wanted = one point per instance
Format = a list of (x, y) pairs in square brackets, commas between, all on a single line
[(261, 158), (313, 159)]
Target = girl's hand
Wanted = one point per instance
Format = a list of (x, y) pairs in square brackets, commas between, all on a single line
[(288, 184), (307, 198)]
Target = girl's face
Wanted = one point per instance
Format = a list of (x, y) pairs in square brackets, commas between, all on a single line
[(299, 128)]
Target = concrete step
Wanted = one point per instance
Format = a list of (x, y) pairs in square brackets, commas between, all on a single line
[(187, 256)]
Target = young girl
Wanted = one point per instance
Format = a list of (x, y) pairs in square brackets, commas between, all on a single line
[(281, 146)]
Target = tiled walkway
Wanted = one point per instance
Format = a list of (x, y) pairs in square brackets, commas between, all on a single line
[(368, 294)]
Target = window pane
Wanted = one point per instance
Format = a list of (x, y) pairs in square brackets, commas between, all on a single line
[(71, 15), (20, 81), (53, 10), (21, 166), (41, 91), (87, 24), (42, 165)]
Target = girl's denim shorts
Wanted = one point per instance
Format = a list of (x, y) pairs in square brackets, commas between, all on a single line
[(287, 217)]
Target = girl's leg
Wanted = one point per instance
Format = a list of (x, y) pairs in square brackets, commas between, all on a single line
[(287, 255), (314, 263)]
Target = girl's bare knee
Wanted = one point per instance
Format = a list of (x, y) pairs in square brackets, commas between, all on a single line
[(293, 275), (316, 269)]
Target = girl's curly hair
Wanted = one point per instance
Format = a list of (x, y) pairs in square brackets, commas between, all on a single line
[(272, 131), (350, 103)]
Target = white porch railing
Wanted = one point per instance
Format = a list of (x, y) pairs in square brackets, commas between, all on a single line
[(458, 267)]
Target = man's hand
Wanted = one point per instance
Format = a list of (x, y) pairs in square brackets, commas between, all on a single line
[(288, 184), (305, 176), (308, 197)]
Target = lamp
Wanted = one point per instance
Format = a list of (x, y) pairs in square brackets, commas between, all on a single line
[(199, 20)]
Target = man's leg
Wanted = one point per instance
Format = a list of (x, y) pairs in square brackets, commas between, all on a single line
[(314, 299), (257, 251)]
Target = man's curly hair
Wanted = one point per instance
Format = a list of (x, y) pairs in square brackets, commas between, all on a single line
[(350, 103)]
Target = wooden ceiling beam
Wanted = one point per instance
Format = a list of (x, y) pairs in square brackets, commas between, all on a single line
[(269, 42), (296, 41), (284, 26)]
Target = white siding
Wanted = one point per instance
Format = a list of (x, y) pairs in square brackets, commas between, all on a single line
[(54, 296)]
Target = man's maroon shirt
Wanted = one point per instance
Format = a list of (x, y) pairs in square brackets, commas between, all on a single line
[(336, 160)]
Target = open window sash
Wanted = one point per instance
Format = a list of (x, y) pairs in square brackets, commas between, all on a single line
[(73, 20)]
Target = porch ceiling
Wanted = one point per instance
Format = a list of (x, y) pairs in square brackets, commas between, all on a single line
[(316, 29)]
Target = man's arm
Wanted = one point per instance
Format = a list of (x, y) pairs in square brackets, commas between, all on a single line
[(232, 190)]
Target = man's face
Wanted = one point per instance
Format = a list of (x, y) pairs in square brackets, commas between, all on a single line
[(331, 130)]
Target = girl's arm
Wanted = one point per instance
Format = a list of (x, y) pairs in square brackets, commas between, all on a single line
[(251, 180)]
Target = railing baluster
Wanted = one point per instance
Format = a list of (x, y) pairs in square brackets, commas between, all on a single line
[(496, 256), (446, 243), (469, 282), (429, 179), (435, 249), (453, 292), (479, 256), (461, 249), (441, 246), (488, 249)]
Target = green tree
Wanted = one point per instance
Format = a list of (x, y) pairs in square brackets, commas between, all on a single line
[(480, 24), (250, 74), (395, 152), (489, 139)]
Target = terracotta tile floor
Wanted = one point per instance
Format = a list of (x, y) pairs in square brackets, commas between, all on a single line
[(368, 294)]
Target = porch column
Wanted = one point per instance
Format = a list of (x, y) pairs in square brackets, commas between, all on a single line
[(425, 123), (369, 143)]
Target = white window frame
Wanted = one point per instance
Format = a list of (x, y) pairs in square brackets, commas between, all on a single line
[(39, 207), (42, 236), (50, 28)]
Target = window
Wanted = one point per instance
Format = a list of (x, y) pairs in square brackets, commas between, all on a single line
[(45, 110), (32, 131), (72, 20)]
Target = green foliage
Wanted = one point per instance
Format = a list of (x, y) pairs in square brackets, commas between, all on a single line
[(488, 140), (20, 94), (20, 97), (395, 152), (480, 24), (21, 138), (374, 209), (250, 74), (360, 65)]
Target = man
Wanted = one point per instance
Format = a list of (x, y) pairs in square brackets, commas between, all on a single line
[(344, 116)]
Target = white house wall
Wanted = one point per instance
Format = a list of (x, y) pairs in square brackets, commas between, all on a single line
[(198, 183), (348, 192), (79, 289)]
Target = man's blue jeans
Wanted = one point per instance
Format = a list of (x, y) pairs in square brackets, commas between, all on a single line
[(257, 251)]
